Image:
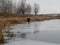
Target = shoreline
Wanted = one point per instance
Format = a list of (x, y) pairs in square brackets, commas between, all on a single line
[(7, 20)]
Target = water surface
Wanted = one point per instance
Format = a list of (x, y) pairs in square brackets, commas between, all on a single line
[(45, 31)]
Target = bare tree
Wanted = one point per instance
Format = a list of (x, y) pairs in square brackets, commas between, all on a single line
[(29, 9), (6, 6), (19, 10), (36, 8), (14, 9), (22, 7), (1, 5)]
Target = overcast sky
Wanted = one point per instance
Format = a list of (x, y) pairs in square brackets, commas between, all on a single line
[(47, 6)]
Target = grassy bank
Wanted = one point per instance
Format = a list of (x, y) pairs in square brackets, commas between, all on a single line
[(17, 18), (7, 19)]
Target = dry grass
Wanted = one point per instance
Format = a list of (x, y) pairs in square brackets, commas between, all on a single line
[(1, 37), (18, 19), (3, 24)]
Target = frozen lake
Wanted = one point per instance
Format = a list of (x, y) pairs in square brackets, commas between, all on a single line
[(43, 32)]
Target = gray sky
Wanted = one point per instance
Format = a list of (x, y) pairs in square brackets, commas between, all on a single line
[(47, 6)]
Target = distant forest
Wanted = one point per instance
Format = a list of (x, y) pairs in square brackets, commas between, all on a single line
[(7, 6)]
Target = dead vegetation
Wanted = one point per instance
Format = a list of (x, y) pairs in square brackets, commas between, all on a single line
[(19, 18)]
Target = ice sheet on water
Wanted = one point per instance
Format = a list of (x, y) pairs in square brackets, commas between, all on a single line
[(44, 27), (27, 42)]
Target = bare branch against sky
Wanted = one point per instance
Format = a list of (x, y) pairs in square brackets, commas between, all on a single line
[(36, 8), (47, 6)]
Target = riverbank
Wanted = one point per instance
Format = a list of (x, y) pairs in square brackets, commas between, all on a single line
[(7, 19), (18, 18)]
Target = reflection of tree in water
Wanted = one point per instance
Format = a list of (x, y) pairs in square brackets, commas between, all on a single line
[(36, 28), (23, 35)]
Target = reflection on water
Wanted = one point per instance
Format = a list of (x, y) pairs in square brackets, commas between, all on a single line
[(46, 31)]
